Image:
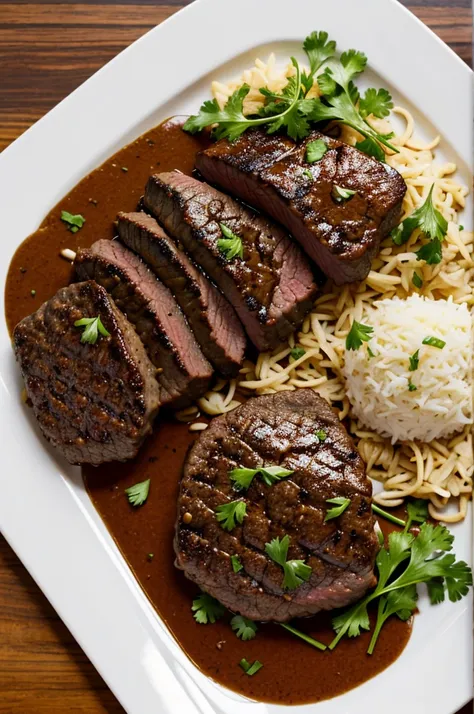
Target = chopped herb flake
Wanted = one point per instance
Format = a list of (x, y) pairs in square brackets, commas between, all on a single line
[(342, 194), (250, 669), (207, 609), (230, 246), (236, 564), (315, 151), (93, 327), (417, 281), (297, 352), (340, 503), (138, 493), (358, 334), (74, 222), (434, 342), (414, 361)]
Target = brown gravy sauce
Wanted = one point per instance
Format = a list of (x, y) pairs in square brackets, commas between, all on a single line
[(293, 672)]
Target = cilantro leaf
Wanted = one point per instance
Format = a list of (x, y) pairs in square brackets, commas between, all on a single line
[(207, 609), (270, 475), (230, 514), (230, 246), (428, 219), (431, 253), (377, 102), (296, 572), (434, 342), (297, 352), (341, 72), (414, 361), (138, 493), (412, 387), (236, 564), (250, 669), (321, 435), (342, 194), (351, 622), (417, 511), (400, 602), (341, 504), (74, 221), (370, 147), (358, 334), (94, 327), (244, 628), (230, 119), (318, 50), (315, 150)]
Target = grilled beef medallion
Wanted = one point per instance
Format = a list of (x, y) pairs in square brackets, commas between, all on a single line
[(299, 432), (94, 402), (183, 371), (212, 319), (271, 286), (341, 232)]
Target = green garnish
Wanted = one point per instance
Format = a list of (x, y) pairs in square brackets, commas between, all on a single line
[(74, 222), (138, 493), (308, 174), (417, 280), (414, 360), (296, 572), (315, 151), (432, 224), (150, 556), (230, 246), (304, 636), (342, 194), (250, 669), (461, 228), (321, 435), (417, 511), (358, 334), (297, 352), (388, 516), (242, 478), (33, 293), (236, 564), (230, 514), (244, 628), (207, 609), (293, 112), (94, 327), (407, 562), (340, 505), (411, 387), (124, 169), (369, 352), (434, 342)]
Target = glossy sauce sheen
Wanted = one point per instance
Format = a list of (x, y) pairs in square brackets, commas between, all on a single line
[(293, 672)]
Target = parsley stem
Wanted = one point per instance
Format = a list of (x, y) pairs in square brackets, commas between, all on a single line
[(306, 638), (378, 626), (388, 516)]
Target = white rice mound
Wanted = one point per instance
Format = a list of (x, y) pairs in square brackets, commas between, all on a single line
[(378, 387)]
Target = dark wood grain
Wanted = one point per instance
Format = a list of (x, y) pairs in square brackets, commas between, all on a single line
[(47, 49)]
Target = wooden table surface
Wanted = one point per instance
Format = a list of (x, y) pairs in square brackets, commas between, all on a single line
[(46, 50)]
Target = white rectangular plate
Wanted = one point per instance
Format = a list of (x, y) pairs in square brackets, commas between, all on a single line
[(45, 513)]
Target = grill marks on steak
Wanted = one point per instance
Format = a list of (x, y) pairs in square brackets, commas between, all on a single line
[(271, 288), (183, 371), (277, 429), (269, 172), (95, 403), (212, 319)]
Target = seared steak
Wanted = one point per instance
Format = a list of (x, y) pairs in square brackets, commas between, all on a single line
[(94, 402), (278, 429), (183, 371), (271, 173), (212, 319), (271, 287)]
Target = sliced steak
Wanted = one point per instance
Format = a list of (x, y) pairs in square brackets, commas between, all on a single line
[(272, 174), (271, 287), (183, 371), (94, 402), (277, 429), (212, 319)]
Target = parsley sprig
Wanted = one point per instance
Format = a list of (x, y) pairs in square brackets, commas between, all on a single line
[(407, 562), (432, 225), (296, 572), (358, 334), (294, 112), (207, 609), (231, 245), (93, 327), (244, 628), (230, 514), (138, 493), (270, 475), (340, 505)]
